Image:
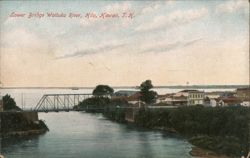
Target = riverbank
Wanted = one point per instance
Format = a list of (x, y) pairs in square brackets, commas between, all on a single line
[(21, 124), (223, 130), (203, 153)]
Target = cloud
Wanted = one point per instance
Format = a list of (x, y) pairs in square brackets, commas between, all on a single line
[(24, 39), (155, 6), (178, 17), (88, 22), (118, 7), (92, 51), (162, 47), (231, 6), (151, 8)]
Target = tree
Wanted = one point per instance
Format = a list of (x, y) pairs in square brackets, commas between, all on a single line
[(9, 103), (147, 95), (102, 90)]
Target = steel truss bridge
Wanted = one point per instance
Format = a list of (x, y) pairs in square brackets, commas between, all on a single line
[(66, 102), (59, 102)]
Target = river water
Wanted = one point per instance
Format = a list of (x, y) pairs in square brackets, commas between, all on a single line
[(84, 135)]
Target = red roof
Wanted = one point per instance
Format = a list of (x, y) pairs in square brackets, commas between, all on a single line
[(230, 100)]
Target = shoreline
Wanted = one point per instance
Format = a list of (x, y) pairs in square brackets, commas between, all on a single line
[(23, 133), (196, 151), (199, 147), (204, 153)]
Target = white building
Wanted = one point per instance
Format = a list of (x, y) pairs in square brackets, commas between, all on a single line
[(213, 95), (213, 102), (194, 97), (245, 103)]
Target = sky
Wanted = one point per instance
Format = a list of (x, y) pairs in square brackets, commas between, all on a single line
[(172, 42)]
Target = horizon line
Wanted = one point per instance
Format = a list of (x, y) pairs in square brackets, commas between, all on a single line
[(118, 87)]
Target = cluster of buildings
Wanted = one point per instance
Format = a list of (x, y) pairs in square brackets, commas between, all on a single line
[(240, 96)]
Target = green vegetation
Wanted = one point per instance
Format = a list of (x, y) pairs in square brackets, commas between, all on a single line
[(16, 122), (9, 103), (102, 90), (222, 129), (229, 145), (147, 95), (225, 130), (100, 100), (97, 104), (13, 122), (112, 109), (116, 114)]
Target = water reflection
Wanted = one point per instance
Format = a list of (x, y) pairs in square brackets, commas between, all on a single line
[(93, 136), (19, 144)]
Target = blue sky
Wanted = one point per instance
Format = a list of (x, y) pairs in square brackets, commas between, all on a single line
[(169, 42)]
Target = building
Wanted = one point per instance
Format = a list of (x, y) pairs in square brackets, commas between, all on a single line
[(131, 97), (164, 98), (245, 103), (228, 101), (171, 99), (218, 94), (243, 94), (125, 93), (195, 97), (213, 95), (185, 93), (179, 100)]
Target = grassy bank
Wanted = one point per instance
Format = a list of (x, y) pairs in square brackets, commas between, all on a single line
[(15, 124), (224, 130), (221, 129)]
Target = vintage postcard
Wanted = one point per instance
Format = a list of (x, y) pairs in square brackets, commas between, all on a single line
[(124, 79)]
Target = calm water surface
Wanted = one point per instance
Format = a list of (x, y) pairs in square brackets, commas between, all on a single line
[(83, 135)]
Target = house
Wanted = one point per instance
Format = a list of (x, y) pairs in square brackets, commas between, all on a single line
[(211, 102), (213, 95), (184, 92), (165, 98), (172, 99), (195, 98), (228, 101), (217, 94), (245, 103), (125, 93), (179, 100), (228, 94), (243, 94), (135, 98), (131, 97)]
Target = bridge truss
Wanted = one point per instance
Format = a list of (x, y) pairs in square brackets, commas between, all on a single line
[(59, 102)]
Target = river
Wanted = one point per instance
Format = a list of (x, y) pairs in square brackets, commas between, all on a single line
[(84, 135)]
